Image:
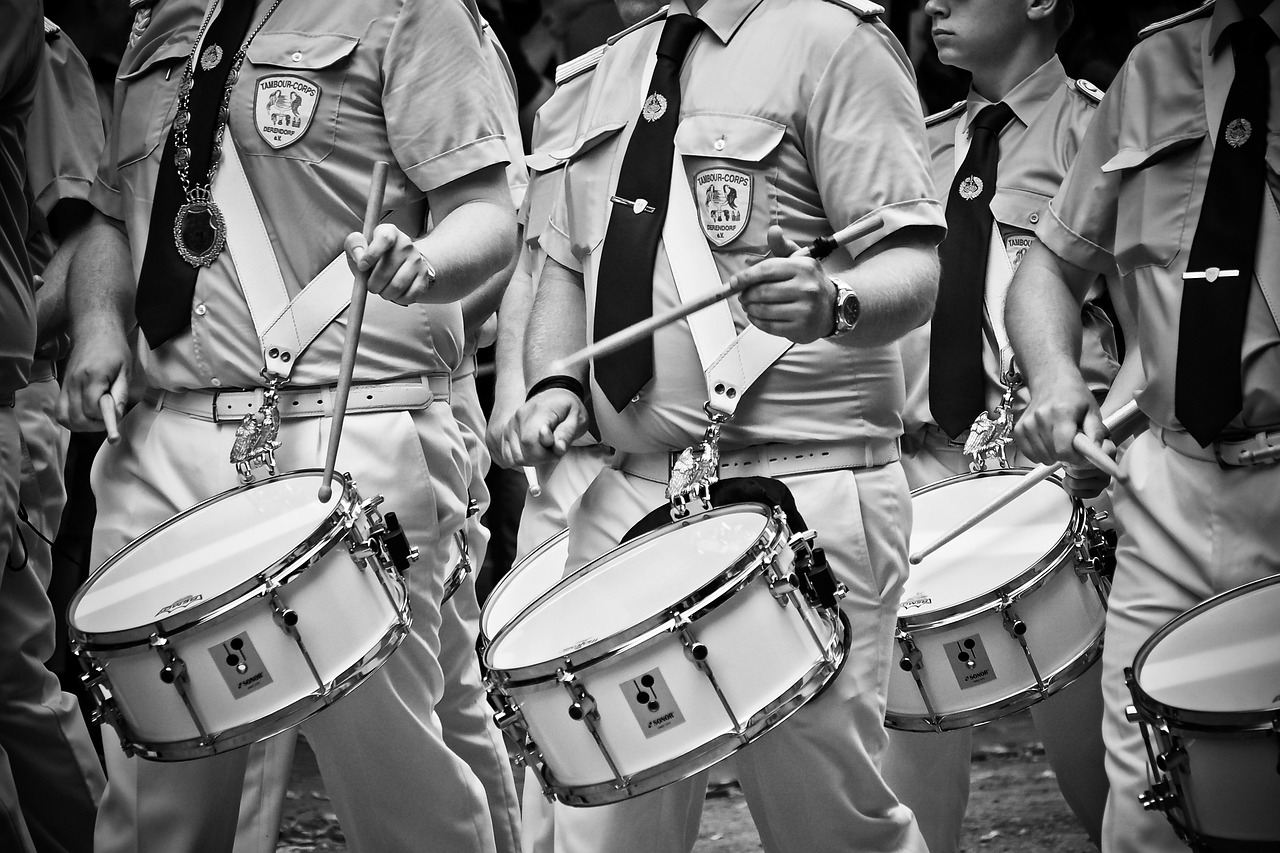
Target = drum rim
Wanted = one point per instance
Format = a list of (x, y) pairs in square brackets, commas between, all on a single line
[(1015, 587), (809, 686), (510, 577), (315, 546), (740, 572), (285, 718), (1184, 719)]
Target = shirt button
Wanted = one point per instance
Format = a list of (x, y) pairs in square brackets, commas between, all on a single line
[(635, 399), (1035, 217), (297, 57), (215, 382), (201, 310), (719, 146)]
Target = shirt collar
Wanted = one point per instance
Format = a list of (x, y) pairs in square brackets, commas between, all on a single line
[(722, 17), (1027, 98), (1226, 13)]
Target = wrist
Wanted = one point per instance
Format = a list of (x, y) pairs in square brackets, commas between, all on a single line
[(561, 381), (846, 308)]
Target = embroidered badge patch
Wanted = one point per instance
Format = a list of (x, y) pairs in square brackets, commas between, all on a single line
[(1238, 132), (1016, 245), (655, 107), (971, 188), (283, 106), (724, 203)]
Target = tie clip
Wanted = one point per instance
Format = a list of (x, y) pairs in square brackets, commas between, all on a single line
[(640, 205), (1211, 275)]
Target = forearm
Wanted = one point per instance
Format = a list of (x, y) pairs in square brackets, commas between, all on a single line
[(513, 316), (1042, 314), (557, 323), (480, 304), (896, 281), (474, 237), (99, 285)]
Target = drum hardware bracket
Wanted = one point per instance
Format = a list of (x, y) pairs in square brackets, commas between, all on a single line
[(1017, 630), (286, 618), (511, 722), (697, 653), (174, 672), (912, 661), (98, 685), (583, 709), (258, 436)]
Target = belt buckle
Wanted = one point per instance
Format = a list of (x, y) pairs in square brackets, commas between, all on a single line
[(1258, 450)]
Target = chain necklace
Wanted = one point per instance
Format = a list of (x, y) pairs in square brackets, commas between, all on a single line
[(199, 220)]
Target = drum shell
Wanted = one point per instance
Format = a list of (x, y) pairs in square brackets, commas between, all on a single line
[(351, 614)]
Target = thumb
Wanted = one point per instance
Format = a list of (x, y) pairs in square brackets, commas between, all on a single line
[(779, 245)]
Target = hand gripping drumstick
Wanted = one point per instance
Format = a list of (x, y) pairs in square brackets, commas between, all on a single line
[(624, 338), (1121, 424), (359, 293)]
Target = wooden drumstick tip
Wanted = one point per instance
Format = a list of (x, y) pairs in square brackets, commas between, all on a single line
[(531, 474), (325, 492), (107, 406)]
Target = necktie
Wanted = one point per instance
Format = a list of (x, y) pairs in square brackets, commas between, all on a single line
[(1207, 393), (167, 282), (956, 382), (625, 291)]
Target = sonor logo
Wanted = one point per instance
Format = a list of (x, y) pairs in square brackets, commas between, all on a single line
[(180, 604), (917, 600), (651, 702), (663, 720)]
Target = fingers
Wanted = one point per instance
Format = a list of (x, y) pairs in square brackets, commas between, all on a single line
[(393, 265), (779, 244)]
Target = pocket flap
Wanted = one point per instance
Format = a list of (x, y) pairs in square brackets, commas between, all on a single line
[(301, 50), (1135, 157), (728, 137), (169, 52), (585, 142), (1018, 208)]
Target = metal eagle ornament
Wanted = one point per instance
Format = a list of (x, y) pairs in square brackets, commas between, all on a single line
[(257, 436), (992, 433), (694, 472)]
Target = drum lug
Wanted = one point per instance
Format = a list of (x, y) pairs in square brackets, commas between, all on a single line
[(583, 709), (1159, 797), (912, 659), (782, 586), (1174, 759), (1015, 626), (285, 617)]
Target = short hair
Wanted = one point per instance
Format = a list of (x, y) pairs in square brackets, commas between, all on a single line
[(1063, 14)]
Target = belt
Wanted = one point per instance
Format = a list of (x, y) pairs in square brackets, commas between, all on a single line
[(772, 460), (1262, 448), (396, 395), (42, 370), (466, 368)]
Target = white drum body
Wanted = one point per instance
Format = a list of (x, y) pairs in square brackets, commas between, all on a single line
[(665, 655), (240, 617), (1007, 613), (1206, 688), (539, 570)]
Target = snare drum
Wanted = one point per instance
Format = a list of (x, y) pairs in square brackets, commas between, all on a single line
[(1004, 615), (541, 569), (1206, 688), (665, 655), (240, 617)]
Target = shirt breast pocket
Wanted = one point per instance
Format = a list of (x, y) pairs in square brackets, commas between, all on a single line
[(1155, 210), (297, 81), (734, 177), (592, 162), (147, 94)]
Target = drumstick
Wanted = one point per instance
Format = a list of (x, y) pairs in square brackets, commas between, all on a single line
[(531, 474), (1095, 454), (1120, 424), (107, 405), (359, 293), (624, 338)]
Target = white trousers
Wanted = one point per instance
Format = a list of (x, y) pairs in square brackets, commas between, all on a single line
[(929, 771), (50, 778), (393, 781), (1191, 531), (813, 783)]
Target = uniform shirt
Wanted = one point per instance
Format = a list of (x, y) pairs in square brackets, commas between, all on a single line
[(554, 130), (1134, 194), (382, 80), (1037, 146), (810, 113), (21, 40), (65, 139)]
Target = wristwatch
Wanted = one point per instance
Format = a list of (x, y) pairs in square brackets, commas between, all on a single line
[(847, 308)]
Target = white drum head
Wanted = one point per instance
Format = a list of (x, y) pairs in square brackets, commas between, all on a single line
[(194, 558), (1225, 658), (987, 556), (540, 570), (630, 584)]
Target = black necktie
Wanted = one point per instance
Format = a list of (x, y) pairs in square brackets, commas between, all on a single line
[(1207, 393), (167, 282), (956, 382), (624, 294)]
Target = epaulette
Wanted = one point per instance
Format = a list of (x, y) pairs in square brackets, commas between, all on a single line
[(656, 16), (579, 65), (52, 32), (861, 8), (1091, 92), (949, 112), (1199, 12)]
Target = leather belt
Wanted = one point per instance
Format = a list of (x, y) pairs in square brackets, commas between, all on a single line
[(42, 370), (396, 395), (772, 460), (1262, 448)]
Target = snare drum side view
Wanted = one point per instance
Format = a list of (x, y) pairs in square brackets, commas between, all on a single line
[(1005, 615), (667, 654), (1206, 693), (241, 616)]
